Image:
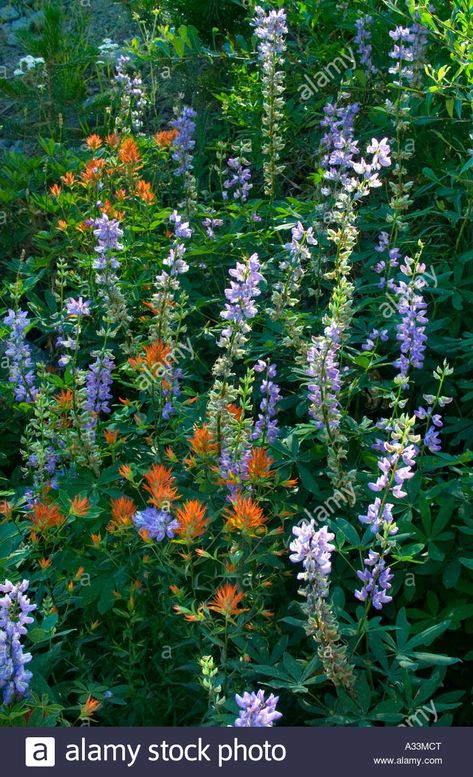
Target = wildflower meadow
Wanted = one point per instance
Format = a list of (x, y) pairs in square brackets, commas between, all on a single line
[(236, 381)]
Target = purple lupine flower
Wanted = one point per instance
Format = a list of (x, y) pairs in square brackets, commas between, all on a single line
[(241, 294), (408, 53), (363, 43), (234, 465), (379, 516), (171, 391), (370, 343), (98, 382), (158, 523), (266, 427), (376, 581), (256, 711), (15, 609), (383, 242), (431, 438), (313, 549), (210, 225), (108, 234), (394, 255), (324, 371), (338, 144), (133, 102), (238, 178), (20, 363), (369, 170), (419, 47), (271, 30), (68, 335), (184, 142), (300, 239), (402, 53), (412, 309), (397, 467), (181, 228), (175, 261), (394, 476), (69, 344), (78, 307), (293, 267), (381, 151)]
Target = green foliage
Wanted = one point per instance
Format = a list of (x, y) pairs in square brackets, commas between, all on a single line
[(134, 623)]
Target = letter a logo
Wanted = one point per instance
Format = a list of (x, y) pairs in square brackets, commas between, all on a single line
[(40, 751)]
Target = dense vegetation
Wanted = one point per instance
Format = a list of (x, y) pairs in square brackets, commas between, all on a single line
[(236, 385)]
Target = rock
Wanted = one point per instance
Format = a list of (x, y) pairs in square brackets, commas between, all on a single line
[(8, 13)]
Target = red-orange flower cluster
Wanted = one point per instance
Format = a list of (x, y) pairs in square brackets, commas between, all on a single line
[(164, 138), (226, 601), (123, 509), (160, 485), (192, 520), (246, 516), (46, 516)]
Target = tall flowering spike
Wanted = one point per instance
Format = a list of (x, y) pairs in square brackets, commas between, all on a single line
[(271, 30), (69, 328), (44, 448), (184, 142), (167, 302), (313, 549), (396, 465), (285, 291), (338, 145), (408, 53), (133, 100), (15, 609), (241, 294), (256, 710), (412, 309), (325, 384), (240, 307), (266, 427), (234, 463), (171, 391), (376, 579), (98, 382), (20, 363), (108, 234), (363, 43), (238, 179), (399, 457), (183, 153)]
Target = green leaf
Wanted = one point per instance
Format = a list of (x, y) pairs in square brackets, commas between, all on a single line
[(434, 659), (427, 636)]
